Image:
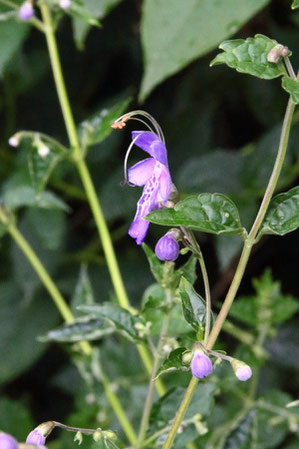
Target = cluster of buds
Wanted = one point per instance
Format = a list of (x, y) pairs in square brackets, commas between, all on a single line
[(201, 364)]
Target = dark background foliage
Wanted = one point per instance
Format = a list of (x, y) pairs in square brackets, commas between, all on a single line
[(222, 130)]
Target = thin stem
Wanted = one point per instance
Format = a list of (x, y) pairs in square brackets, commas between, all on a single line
[(289, 67), (87, 181), (207, 296), (241, 266), (149, 396)]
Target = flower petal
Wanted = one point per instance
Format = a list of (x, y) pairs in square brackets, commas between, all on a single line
[(138, 230), (140, 173), (164, 185), (151, 143)]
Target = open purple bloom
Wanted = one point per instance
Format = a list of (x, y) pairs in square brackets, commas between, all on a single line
[(7, 441)]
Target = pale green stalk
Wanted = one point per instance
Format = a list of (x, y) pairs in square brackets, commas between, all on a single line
[(67, 315), (87, 181), (249, 242)]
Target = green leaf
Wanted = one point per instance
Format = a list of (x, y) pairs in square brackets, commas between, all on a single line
[(172, 37), (77, 9), (10, 45), (295, 4), (250, 56), (188, 270), (240, 437), (43, 154), (22, 319), (155, 265), (269, 305), (97, 9), (13, 411), (23, 195), (124, 321), (282, 215), (96, 128), (8, 15), (292, 87), (173, 362), (3, 229), (208, 212), (50, 226), (81, 329), (83, 294), (194, 306)]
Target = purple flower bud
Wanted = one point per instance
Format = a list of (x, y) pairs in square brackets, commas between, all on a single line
[(201, 365), (36, 437), (26, 11), (167, 248), (65, 4), (7, 441), (242, 371)]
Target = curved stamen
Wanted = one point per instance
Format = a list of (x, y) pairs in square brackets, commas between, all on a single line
[(126, 161), (121, 121)]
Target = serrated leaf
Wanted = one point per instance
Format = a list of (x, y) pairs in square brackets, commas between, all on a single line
[(96, 128), (77, 9), (123, 320), (81, 329), (194, 306), (174, 36), (208, 212), (295, 4), (43, 154), (155, 265), (292, 87), (83, 294), (173, 362), (250, 56), (282, 215)]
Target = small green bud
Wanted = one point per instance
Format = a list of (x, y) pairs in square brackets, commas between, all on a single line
[(187, 357), (78, 437), (110, 434), (97, 435)]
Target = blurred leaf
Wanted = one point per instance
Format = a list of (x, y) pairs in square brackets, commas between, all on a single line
[(295, 4), (96, 128), (250, 56), (3, 229), (283, 213), (15, 418), (9, 45), (173, 362), (98, 9), (77, 9), (240, 437), (21, 321), (8, 15), (186, 31), (124, 321), (24, 195), (43, 154), (207, 212), (194, 306), (81, 329), (269, 304), (188, 270), (155, 265), (50, 226), (292, 87), (83, 294)]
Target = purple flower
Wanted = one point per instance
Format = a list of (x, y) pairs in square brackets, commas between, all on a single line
[(26, 11), (7, 441), (152, 173), (36, 437), (65, 4), (242, 371), (167, 248), (201, 365)]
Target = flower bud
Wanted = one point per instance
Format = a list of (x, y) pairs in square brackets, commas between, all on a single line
[(110, 434), (65, 4), (14, 141), (39, 434), (79, 437), (167, 248), (277, 53), (242, 371), (7, 441), (97, 435), (26, 11), (201, 365)]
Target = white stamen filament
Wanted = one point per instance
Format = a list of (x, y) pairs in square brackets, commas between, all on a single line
[(150, 118), (126, 160)]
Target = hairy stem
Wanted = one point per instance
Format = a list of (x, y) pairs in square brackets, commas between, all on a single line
[(284, 138), (87, 181)]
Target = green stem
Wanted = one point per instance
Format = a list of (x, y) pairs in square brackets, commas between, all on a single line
[(68, 316), (149, 396), (241, 266), (87, 181), (207, 296)]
